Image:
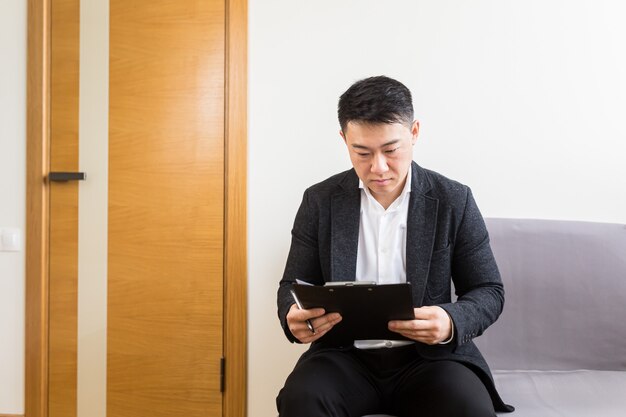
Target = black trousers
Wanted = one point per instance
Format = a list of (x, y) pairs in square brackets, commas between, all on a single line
[(353, 383)]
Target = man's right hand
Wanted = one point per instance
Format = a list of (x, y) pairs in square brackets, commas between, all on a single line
[(322, 323)]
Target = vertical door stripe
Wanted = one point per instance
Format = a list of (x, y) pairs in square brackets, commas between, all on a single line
[(93, 208), (63, 232)]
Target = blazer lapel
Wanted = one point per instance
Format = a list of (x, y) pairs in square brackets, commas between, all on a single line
[(346, 217), (421, 224)]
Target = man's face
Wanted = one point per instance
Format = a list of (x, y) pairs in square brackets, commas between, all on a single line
[(381, 155)]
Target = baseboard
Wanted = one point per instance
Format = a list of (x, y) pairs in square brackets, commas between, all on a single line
[(11, 415)]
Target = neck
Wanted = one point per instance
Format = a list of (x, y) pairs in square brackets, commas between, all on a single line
[(386, 200)]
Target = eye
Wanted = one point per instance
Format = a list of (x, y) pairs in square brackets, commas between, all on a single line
[(392, 150), (362, 153)]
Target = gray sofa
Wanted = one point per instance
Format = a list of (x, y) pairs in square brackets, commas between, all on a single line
[(559, 348)]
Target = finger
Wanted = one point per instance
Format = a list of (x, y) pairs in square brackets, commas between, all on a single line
[(410, 325), (309, 314), (424, 313), (326, 322), (419, 335), (416, 333), (304, 314), (297, 326), (306, 336), (423, 335), (300, 329), (322, 326), (428, 338), (320, 333)]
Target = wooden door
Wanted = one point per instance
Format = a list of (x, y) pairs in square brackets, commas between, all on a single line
[(166, 215), (166, 208)]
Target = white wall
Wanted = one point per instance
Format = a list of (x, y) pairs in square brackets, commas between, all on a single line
[(12, 201), (522, 100)]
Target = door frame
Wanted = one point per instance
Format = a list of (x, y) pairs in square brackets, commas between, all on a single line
[(235, 209)]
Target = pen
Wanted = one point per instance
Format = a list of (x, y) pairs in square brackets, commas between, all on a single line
[(308, 322)]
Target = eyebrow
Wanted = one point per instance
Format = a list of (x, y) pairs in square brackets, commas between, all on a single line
[(391, 142)]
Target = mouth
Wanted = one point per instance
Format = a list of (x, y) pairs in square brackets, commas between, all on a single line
[(381, 181)]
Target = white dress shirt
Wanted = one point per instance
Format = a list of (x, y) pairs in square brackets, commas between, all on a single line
[(381, 254)]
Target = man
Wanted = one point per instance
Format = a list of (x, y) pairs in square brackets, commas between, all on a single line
[(389, 220)]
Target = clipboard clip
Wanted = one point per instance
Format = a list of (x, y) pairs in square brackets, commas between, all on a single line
[(349, 283)]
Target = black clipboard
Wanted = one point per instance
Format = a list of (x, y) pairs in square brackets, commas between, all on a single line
[(365, 309)]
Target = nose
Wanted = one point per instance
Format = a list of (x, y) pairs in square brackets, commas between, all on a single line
[(379, 164)]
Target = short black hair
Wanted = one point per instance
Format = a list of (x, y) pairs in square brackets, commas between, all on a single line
[(375, 100)]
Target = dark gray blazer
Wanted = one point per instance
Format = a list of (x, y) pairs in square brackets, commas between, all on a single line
[(446, 241)]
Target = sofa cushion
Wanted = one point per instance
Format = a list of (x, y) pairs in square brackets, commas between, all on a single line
[(564, 393), (565, 286)]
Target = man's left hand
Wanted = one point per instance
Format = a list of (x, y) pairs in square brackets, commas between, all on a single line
[(431, 325)]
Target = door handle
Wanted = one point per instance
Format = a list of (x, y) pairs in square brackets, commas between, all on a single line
[(67, 176)]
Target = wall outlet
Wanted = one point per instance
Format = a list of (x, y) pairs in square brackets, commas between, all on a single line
[(10, 240)]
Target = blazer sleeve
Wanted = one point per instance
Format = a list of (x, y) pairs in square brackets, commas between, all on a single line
[(476, 277), (303, 260)]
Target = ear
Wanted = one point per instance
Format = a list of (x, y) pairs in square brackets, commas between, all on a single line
[(415, 129), (343, 136)]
